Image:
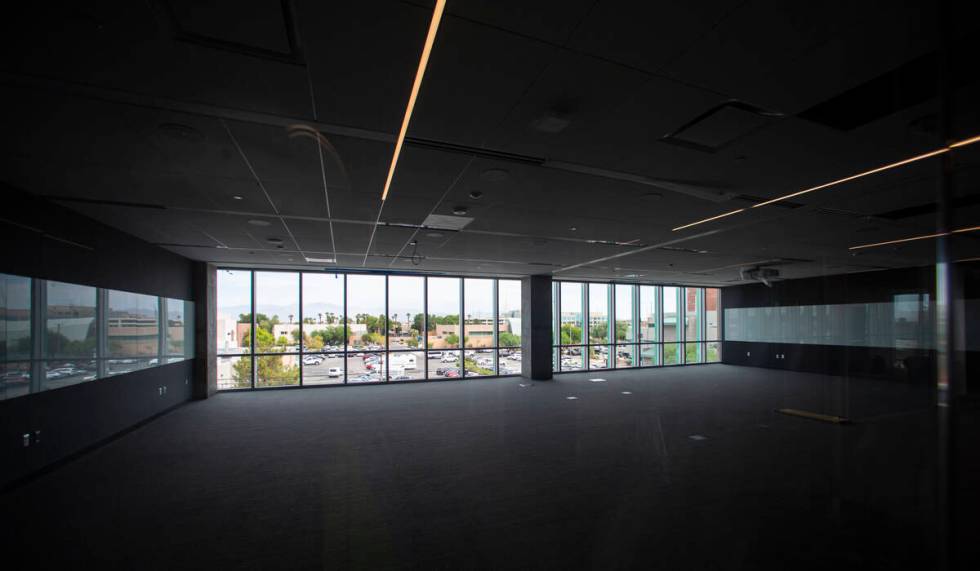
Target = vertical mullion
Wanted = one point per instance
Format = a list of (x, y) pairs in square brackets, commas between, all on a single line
[(556, 325), (387, 325), (38, 328), (101, 332), (658, 296), (635, 316), (586, 326), (496, 325), (425, 324), (302, 366), (161, 329), (346, 331), (462, 328), (251, 332)]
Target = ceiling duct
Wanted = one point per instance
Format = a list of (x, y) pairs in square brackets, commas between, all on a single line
[(762, 274)]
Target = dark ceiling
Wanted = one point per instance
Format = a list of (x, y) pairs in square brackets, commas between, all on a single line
[(588, 130)]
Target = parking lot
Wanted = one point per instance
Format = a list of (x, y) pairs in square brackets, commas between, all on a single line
[(369, 366)]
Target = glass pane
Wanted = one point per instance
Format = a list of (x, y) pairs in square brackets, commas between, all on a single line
[(714, 352), (323, 314), (70, 321), (15, 379), (479, 363), (234, 316), (133, 328), (598, 313), (571, 313), (693, 307), (366, 313), (15, 318), (599, 357), (406, 307), (63, 373), (407, 366), (276, 314), (365, 367), (444, 365), (648, 313), (323, 368), (234, 373), (443, 313), (712, 297), (572, 358), (624, 312), (276, 370), (649, 355), (509, 307), (670, 322), (693, 352), (672, 353), (624, 356), (509, 362), (179, 313), (555, 317), (478, 327)]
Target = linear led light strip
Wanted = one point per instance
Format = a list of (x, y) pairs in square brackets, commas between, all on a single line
[(426, 51), (914, 238), (890, 166)]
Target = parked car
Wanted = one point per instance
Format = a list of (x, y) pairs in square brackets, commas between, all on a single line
[(401, 378), (452, 373), (435, 354), (334, 372), (312, 360), (450, 357)]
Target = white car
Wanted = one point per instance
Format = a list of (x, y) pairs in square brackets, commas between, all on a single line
[(334, 372), (450, 357), (312, 360)]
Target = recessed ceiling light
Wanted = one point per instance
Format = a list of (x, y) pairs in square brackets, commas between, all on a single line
[(495, 175), (236, 197), (426, 51), (460, 210), (476, 195), (274, 240), (572, 228), (434, 234), (259, 222), (320, 260)]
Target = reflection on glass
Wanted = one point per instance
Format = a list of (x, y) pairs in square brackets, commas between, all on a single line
[(649, 355), (15, 379), (406, 365), (180, 329), (62, 373), (624, 312), (478, 326), (712, 297), (133, 330), (598, 313), (323, 368), (479, 363), (276, 370), (233, 321), (600, 357), (444, 364), (15, 318), (443, 313), (670, 313), (509, 308), (624, 356), (366, 313), (648, 313), (234, 373), (323, 314), (571, 313), (509, 361), (276, 313), (406, 310), (366, 367), (70, 321)]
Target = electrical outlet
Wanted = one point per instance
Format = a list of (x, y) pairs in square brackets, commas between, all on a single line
[(37, 437), (160, 391), (27, 439)]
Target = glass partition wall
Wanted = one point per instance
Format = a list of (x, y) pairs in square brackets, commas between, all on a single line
[(613, 326), (281, 328)]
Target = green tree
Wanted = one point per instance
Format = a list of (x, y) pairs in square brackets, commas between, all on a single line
[(570, 334), (508, 339), (452, 340)]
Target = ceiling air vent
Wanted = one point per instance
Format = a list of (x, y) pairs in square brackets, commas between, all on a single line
[(720, 126), (444, 222)]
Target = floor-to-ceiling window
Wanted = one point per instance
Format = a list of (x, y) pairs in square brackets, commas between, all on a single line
[(317, 328), (600, 325)]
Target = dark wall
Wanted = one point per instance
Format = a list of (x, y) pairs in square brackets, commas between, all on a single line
[(915, 366), (44, 240)]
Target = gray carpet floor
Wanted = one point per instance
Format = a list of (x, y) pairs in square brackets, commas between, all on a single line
[(675, 468)]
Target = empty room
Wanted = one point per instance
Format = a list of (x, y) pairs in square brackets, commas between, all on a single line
[(474, 284)]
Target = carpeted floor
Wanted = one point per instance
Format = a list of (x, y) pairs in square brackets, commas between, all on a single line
[(690, 470)]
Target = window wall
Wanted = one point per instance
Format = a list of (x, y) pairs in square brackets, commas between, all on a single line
[(631, 325), (55, 334), (314, 328)]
